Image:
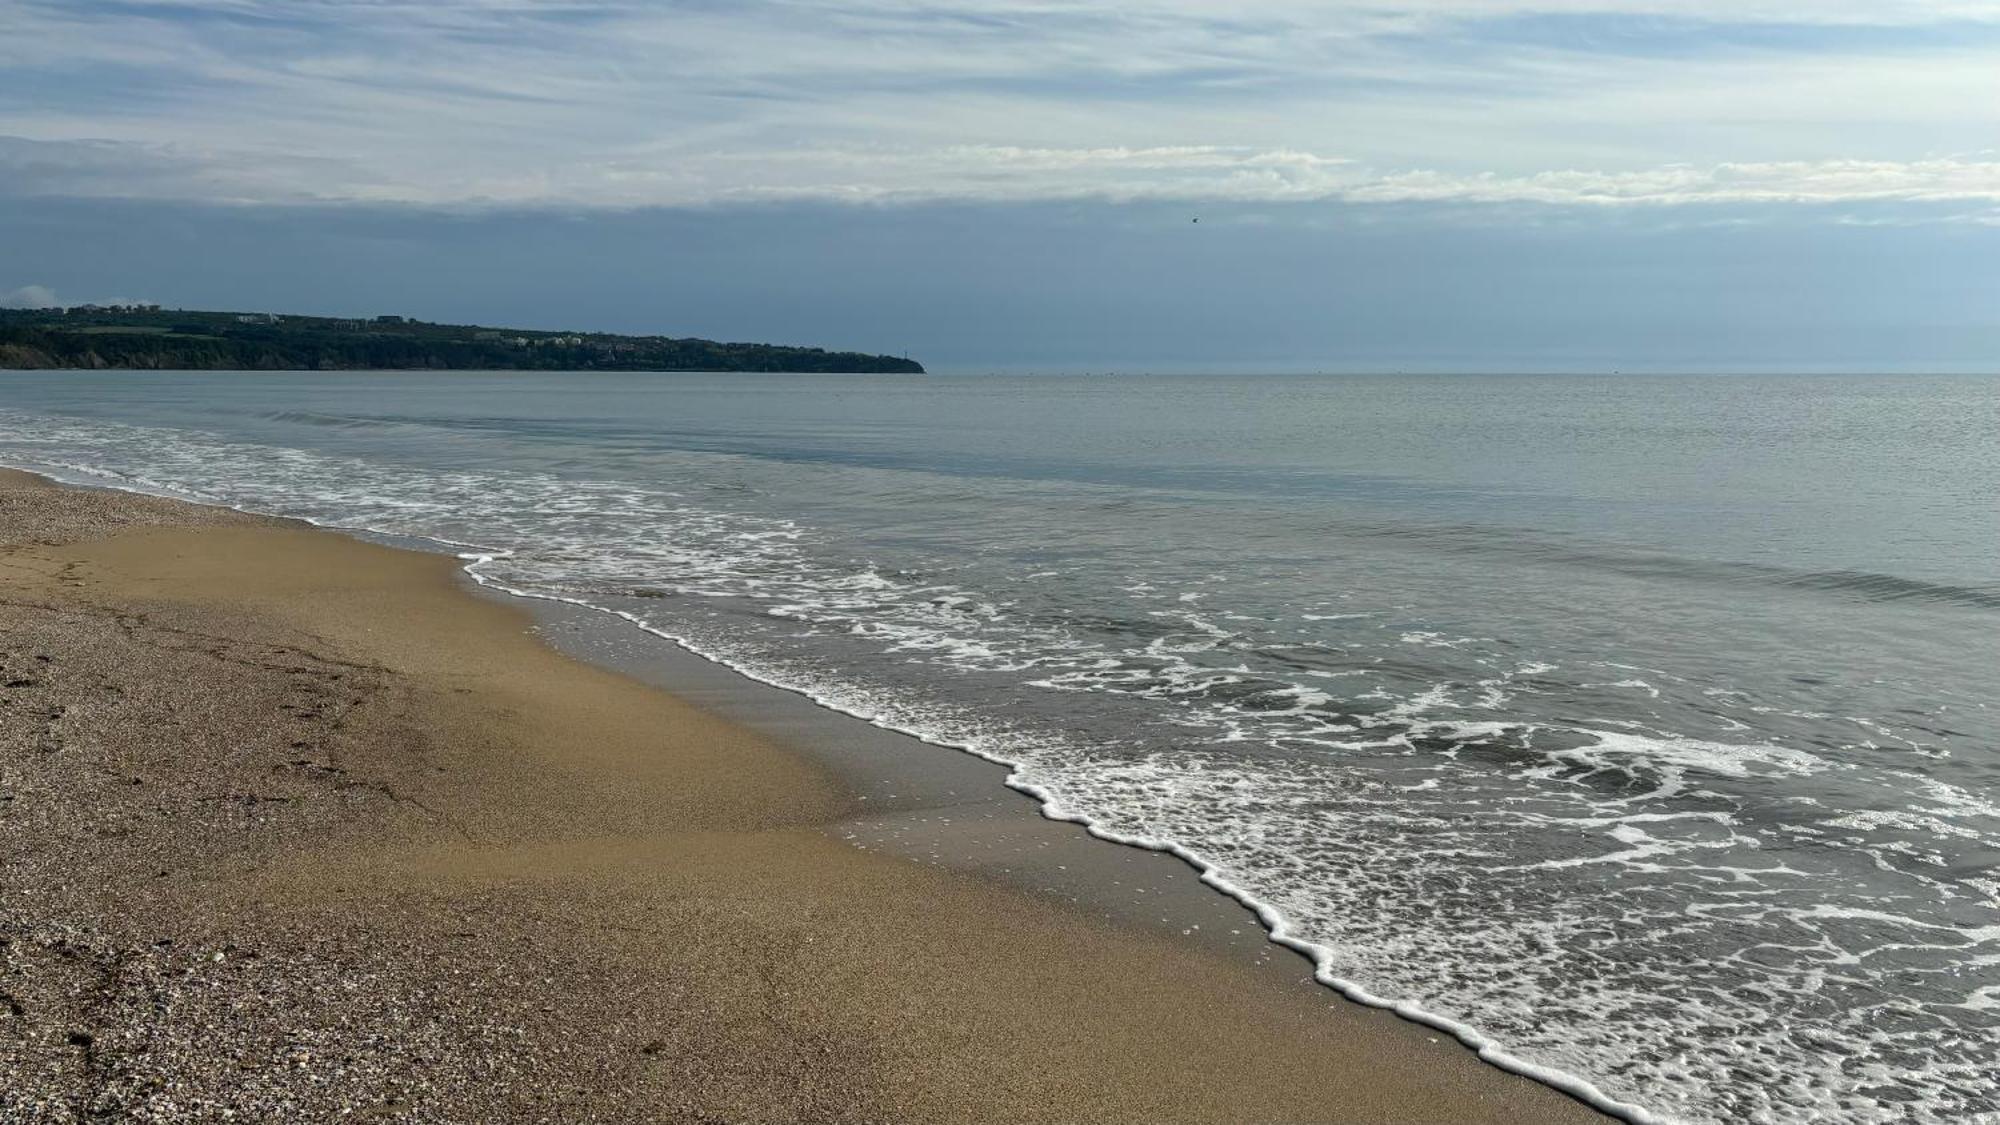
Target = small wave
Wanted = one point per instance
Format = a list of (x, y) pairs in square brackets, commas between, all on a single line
[(1476, 539), (1889, 588), (327, 421)]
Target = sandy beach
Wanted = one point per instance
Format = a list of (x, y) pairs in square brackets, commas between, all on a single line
[(297, 827)]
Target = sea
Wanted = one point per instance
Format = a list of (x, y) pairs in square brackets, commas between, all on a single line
[(1641, 731)]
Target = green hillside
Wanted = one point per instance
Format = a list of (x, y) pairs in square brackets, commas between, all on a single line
[(147, 337)]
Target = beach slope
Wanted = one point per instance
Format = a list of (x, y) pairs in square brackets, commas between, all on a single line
[(293, 827)]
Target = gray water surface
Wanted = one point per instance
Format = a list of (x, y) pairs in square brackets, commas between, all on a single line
[(1642, 726)]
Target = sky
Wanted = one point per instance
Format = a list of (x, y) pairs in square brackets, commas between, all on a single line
[(1445, 185)]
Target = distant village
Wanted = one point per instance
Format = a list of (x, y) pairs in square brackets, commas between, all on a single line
[(484, 335)]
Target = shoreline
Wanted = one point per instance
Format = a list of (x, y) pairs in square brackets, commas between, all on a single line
[(1256, 930), (959, 938)]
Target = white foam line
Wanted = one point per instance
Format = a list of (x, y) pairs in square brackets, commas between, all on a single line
[(1279, 928)]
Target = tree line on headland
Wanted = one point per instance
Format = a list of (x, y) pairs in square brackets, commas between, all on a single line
[(148, 337)]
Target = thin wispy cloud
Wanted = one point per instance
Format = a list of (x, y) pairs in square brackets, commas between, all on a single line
[(621, 103)]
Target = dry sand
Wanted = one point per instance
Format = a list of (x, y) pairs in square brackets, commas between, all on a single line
[(292, 827)]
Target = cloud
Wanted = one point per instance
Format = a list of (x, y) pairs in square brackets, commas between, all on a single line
[(998, 174), (627, 103), (30, 297), (1816, 182), (150, 170), (1245, 175)]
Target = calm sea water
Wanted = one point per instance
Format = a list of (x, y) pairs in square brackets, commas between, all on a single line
[(1645, 727)]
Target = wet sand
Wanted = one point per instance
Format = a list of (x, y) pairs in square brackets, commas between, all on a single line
[(294, 827)]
